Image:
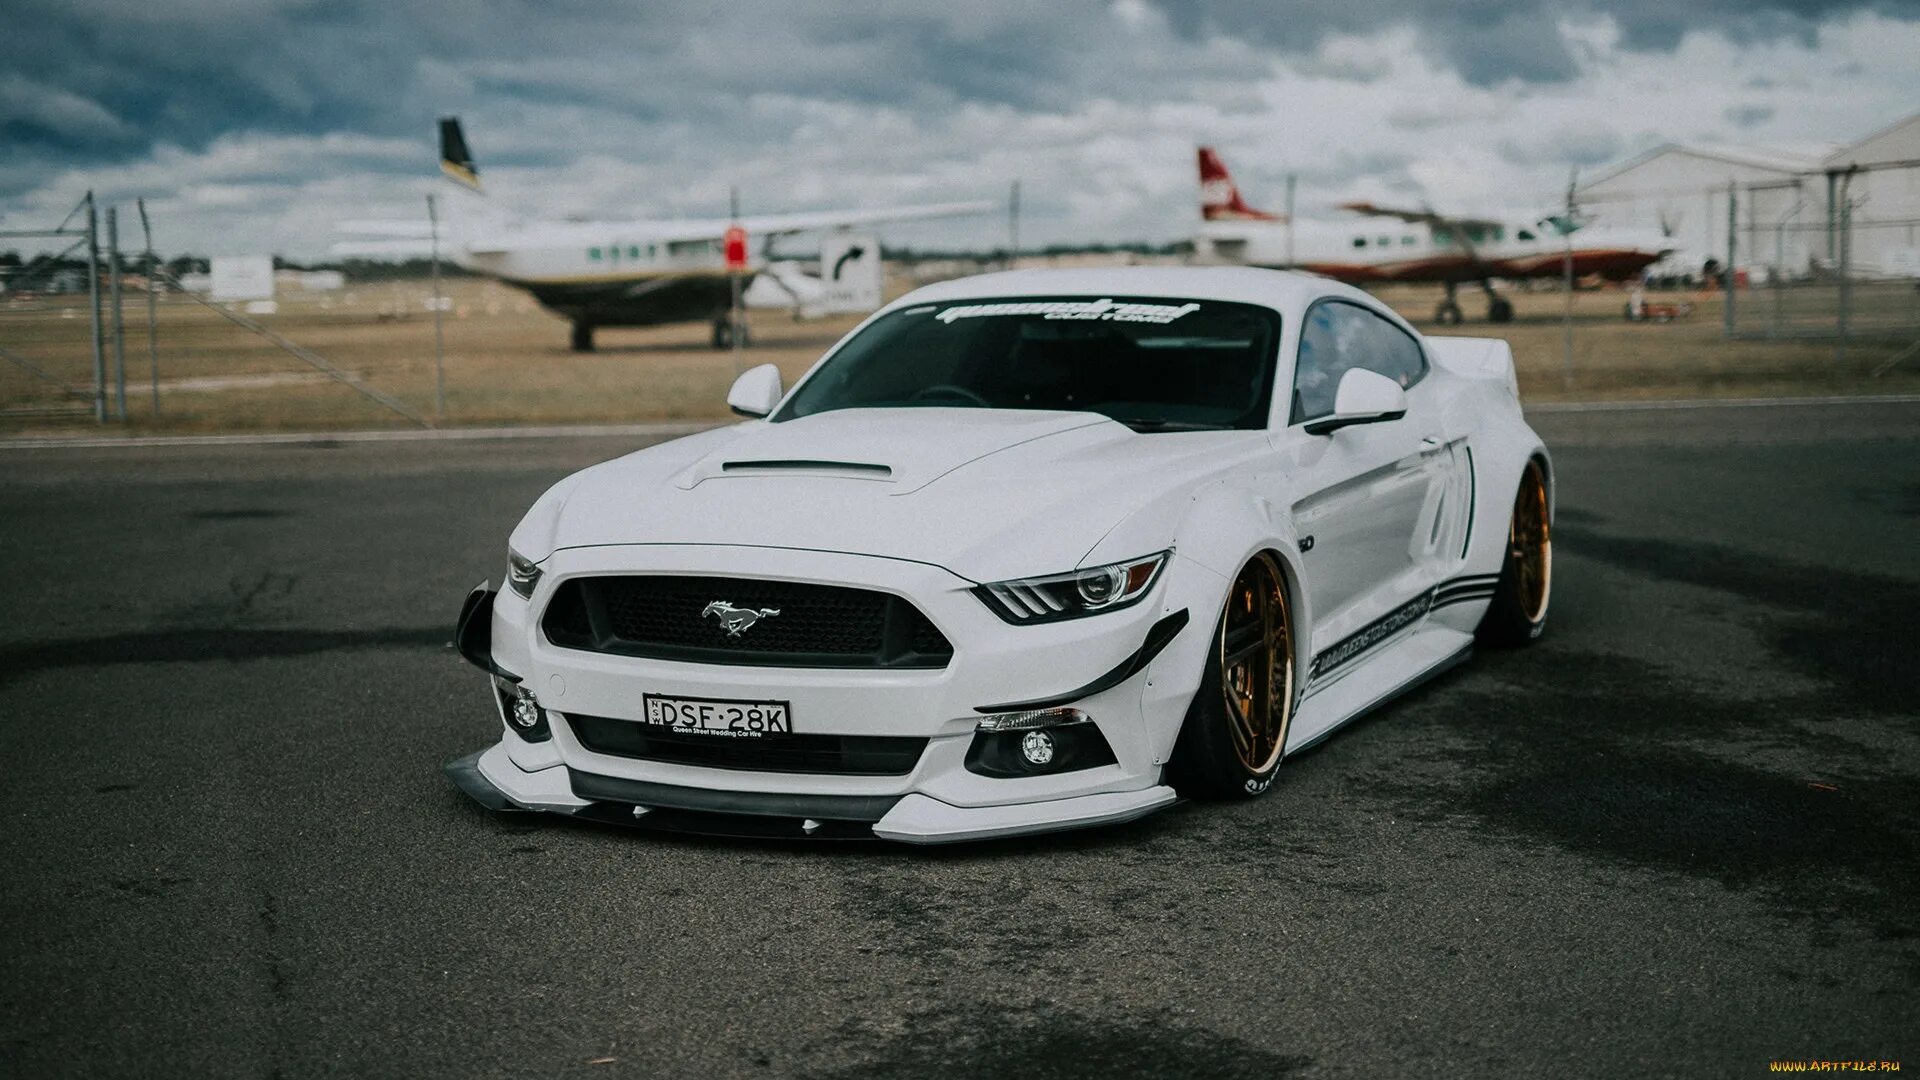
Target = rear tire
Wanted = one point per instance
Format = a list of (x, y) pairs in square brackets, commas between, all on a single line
[(1236, 728), (1518, 614), (582, 337)]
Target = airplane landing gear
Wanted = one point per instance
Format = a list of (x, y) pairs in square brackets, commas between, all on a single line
[(1448, 313), (582, 337), (724, 330), (1499, 308)]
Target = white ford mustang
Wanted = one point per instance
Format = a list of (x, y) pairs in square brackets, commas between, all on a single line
[(1027, 551)]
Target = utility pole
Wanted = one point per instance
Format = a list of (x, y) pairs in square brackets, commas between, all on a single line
[(153, 322), (119, 320), (1013, 225), (1291, 177), (93, 305), (439, 340), (1845, 239)]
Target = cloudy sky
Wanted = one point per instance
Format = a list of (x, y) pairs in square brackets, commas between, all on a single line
[(254, 124)]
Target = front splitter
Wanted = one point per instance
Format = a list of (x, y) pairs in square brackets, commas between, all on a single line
[(913, 818)]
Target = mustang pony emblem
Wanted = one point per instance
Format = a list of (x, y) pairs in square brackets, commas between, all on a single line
[(737, 619)]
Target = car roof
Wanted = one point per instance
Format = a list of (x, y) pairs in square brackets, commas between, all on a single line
[(1280, 289)]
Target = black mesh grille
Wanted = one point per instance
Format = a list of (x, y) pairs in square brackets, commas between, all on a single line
[(788, 624), (845, 755)]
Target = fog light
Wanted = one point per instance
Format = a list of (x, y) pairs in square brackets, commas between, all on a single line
[(526, 711), (1037, 751), (522, 710), (1037, 748)]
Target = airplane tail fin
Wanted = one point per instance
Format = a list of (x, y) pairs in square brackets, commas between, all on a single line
[(455, 159), (1219, 198)]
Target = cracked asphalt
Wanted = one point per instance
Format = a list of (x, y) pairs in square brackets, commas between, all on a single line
[(1680, 836)]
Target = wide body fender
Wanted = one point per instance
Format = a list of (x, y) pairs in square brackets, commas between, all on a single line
[(1500, 443), (1213, 532)]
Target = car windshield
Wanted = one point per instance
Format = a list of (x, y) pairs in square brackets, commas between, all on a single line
[(1152, 363)]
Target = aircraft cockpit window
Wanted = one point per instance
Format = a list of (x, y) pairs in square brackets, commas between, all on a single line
[(1523, 234)]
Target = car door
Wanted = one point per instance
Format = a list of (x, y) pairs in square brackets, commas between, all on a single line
[(1366, 496)]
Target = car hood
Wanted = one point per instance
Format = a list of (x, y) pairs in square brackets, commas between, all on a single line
[(987, 494)]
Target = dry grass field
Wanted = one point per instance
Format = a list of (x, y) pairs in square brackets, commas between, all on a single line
[(507, 361)]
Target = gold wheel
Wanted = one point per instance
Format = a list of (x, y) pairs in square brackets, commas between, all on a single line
[(1530, 544), (1256, 664)]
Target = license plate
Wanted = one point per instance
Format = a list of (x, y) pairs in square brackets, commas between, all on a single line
[(719, 716)]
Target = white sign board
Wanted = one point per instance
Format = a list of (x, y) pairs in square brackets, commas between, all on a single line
[(850, 273), (242, 277)]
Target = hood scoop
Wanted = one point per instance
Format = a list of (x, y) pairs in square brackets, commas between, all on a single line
[(845, 470), (915, 445)]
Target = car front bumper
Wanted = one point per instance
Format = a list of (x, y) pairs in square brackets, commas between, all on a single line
[(939, 800)]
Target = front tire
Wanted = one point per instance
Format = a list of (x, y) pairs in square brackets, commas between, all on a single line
[(1518, 613), (1236, 728)]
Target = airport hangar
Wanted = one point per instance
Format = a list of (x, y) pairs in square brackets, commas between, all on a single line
[(1683, 190)]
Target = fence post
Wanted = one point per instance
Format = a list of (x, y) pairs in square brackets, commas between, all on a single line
[(1846, 273), (93, 306), (439, 341), (119, 315), (152, 270), (1727, 275)]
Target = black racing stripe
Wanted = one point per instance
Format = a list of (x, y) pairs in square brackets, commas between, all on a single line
[(1473, 497), (1462, 598), (1369, 636)]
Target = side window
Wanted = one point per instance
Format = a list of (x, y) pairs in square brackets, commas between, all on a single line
[(1338, 337)]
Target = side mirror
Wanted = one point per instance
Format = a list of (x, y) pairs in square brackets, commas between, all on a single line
[(1363, 397), (756, 391)]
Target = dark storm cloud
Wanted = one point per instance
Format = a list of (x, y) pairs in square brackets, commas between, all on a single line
[(1490, 41), (102, 80)]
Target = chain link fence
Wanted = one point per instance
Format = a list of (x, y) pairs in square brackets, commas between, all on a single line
[(1831, 257)]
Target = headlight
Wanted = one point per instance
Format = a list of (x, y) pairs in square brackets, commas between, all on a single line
[(522, 574), (1073, 594)]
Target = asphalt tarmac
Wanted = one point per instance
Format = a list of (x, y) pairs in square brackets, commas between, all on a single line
[(1680, 836)]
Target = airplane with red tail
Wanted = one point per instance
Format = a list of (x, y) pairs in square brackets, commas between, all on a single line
[(1385, 244)]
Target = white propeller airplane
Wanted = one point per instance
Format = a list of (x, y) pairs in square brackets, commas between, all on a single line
[(1422, 247), (607, 273)]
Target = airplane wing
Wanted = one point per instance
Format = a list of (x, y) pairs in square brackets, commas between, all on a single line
[(784, 224), (760, 226), (1418, 217)]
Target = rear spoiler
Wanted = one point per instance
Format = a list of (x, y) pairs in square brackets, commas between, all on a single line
[(1476, 358)]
